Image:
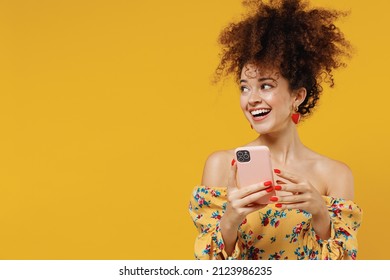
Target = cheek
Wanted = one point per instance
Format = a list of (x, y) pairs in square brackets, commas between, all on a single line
[(243, 102), (279, 101)]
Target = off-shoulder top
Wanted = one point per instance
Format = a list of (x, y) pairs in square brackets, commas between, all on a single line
[(271, 233)]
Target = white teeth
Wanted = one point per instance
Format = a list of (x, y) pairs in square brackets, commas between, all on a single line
[(260, 111)]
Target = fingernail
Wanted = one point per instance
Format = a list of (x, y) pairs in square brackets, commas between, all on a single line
[(233, 161), (270, 189), (268, 183), (274, 199), (279, 205), (278, 188), (277, 171)]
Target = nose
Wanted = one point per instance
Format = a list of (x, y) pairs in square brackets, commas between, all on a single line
[(255, 98)]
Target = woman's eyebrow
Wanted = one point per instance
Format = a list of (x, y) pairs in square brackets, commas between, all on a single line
[(260, 79), (266, 78)]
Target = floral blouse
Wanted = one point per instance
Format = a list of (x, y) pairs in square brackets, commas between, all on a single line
[(271, 233)]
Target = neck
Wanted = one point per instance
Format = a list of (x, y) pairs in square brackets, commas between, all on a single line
[(285, 146)]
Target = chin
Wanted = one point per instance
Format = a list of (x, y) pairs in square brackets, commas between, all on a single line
[(262, 129)]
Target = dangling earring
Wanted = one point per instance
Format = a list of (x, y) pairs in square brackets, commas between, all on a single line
[(251, 126), (296, 116)]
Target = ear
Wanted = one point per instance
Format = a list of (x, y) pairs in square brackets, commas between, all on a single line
[(300, 95)]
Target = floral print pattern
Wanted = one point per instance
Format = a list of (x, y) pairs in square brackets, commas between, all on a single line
[(271, 233)]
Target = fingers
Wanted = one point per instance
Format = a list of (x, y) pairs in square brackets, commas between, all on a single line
[(280, 182), (240, 193), (243, 197), (288, 176), (299, 206), (295, 198), (297, 201), (232, 176), (255, 188), (296, 193), (291, 196), (254, 207), (249, 199), (292, 188)]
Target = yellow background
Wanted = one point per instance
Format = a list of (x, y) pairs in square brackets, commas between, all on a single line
[(107, 115)]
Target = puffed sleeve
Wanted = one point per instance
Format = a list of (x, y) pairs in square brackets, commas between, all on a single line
[(345, 217), (207, 205)]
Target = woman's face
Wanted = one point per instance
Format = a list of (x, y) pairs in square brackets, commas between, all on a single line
[(266, 100)]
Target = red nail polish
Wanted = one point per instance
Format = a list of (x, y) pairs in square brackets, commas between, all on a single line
[(268, 183), (233, 161), (277, 171), (279, 205), (274, 199), (270, 189), (278, 188)]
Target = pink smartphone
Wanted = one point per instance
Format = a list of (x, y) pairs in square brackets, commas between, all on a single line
[(254, 166)]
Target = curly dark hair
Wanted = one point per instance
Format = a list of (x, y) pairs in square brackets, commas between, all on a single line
[(304, 44)]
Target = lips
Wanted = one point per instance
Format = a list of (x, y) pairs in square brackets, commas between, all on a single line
[(259, 113)]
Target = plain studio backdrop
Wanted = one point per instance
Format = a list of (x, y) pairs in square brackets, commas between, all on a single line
[(107, 115)]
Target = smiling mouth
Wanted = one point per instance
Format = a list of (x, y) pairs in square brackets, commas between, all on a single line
[(260, 112)]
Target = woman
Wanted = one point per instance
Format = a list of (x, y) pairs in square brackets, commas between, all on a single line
[(280, 53)]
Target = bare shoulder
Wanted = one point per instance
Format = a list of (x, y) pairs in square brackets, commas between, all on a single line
[(337, 177), (217, 168)]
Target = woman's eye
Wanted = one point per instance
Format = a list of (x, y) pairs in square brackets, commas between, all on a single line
[(244, 89), (266, 86)]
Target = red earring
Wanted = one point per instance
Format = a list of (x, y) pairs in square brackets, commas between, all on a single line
[(296, 116)]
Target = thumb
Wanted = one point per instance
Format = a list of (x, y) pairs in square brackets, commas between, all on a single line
[(232, 183)]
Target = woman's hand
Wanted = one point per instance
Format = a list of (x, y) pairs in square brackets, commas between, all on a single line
[(241, 202), (301, 194), (298, 193)]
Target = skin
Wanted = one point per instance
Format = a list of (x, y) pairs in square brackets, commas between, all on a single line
[(304, 176)]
